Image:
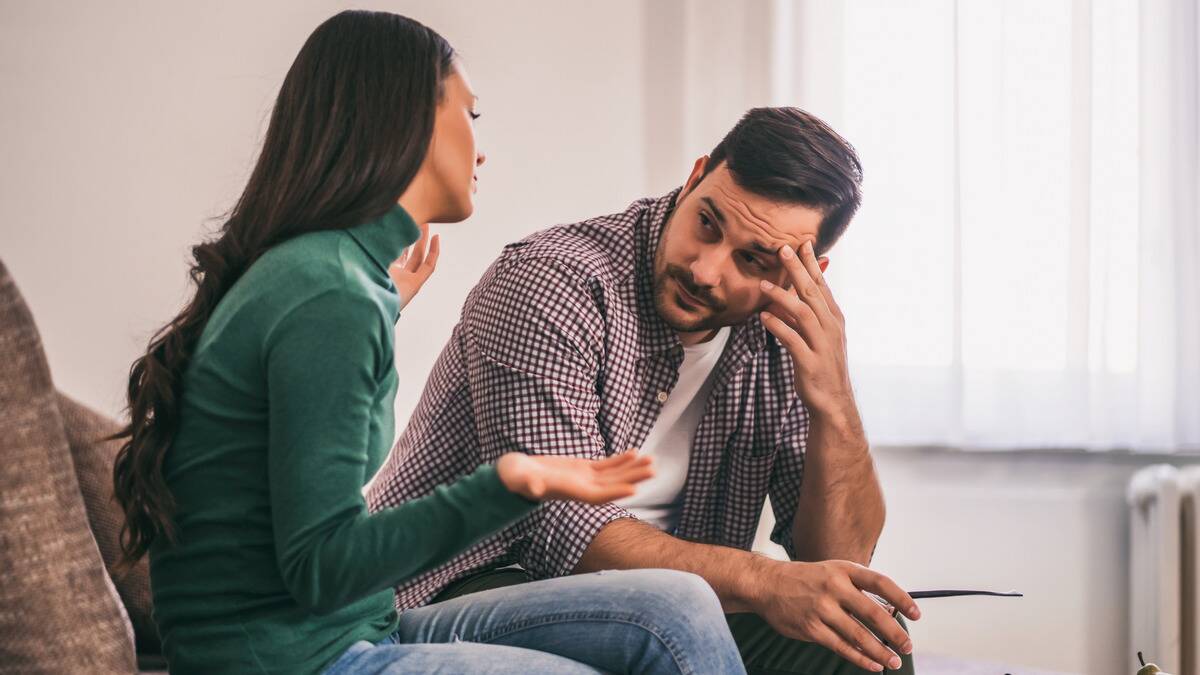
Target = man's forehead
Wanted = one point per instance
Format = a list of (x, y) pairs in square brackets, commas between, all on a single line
[(760, 218)]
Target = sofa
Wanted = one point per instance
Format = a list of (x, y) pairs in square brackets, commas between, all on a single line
[(63, 606)]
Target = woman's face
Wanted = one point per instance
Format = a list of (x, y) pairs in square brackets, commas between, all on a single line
[(452, 158)]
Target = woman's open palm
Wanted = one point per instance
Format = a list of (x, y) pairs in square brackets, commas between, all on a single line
[(541, 477)]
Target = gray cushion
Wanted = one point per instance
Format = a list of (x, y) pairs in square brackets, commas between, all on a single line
[(59, 612), (86, 430)]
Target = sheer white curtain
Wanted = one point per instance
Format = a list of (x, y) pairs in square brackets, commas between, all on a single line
[(1025, 271)]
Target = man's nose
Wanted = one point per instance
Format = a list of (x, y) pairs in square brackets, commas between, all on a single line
[(706, 269)]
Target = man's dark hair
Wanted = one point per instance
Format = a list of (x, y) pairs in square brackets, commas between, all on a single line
[(791, 156)]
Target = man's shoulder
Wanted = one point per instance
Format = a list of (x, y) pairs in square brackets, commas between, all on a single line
[(599, 249)]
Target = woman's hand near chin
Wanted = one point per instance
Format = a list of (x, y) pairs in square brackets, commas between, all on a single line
[(542, 477), (413, 268)]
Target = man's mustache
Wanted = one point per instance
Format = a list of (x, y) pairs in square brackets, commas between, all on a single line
[(704, 294)]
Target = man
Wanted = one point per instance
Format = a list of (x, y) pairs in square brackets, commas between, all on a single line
[(698, 328)]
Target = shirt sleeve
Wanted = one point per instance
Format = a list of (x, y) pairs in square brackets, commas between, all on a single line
[(534, 344), (787, 475), (325, 366)]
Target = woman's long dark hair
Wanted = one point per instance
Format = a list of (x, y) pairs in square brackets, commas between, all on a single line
[(349, 131)]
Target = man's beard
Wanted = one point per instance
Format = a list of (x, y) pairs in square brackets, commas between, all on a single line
[(664, 298)]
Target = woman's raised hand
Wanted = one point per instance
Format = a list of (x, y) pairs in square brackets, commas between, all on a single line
[(412, 269), (542, 477)]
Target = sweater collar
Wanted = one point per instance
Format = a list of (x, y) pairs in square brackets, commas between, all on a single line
[(386, 237)]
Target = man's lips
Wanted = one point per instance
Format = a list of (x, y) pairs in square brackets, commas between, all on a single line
[(687, 297)]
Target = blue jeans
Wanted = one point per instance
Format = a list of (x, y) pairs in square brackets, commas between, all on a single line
[(634, 621)]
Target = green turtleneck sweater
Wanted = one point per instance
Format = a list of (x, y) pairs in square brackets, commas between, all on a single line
[(286, 413)]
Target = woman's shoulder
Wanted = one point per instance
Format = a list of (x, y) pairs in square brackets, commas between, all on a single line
[(315, 262), (309, 273), (311, 257)]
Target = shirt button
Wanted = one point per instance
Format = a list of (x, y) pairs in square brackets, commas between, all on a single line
[(662, 397)]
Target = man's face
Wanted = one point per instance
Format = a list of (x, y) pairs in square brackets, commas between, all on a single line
[(718, 244)]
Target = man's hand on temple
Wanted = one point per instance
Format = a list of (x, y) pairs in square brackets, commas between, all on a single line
[(808, 322), (840, 489)]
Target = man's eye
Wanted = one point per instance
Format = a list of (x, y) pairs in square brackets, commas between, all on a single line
[(752, 260), (704, 221)]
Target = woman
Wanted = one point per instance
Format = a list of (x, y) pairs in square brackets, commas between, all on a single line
[(259, 413)]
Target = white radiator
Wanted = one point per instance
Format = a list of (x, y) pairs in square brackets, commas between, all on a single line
[(1164, 598)]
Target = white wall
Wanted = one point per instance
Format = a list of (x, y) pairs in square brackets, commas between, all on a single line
[(127, 125), (1052, 525)]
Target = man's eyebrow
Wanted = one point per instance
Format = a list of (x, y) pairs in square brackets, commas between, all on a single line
[(757, 246), (716, 212)]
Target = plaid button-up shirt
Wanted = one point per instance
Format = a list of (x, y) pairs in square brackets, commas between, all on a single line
[(560, 350)]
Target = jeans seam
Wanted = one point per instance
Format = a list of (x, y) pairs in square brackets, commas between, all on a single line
[(516, 626)]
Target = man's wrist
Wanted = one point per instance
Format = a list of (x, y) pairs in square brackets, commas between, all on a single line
[(750, 587), (841, 428)]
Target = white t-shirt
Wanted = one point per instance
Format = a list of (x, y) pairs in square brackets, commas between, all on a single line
[(659, 499)]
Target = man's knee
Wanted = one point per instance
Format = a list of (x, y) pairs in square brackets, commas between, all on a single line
[(671, 590)]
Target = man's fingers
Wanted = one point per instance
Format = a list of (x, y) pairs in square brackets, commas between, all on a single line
[(808, 257), (833, 305), (828, 638), (858, 636), (787, 336), (879, 584), (795, 313), (871, 614), (806, 288)]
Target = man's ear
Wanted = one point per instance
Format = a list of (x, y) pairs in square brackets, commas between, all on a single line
[(823, 263), (697, 173)]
